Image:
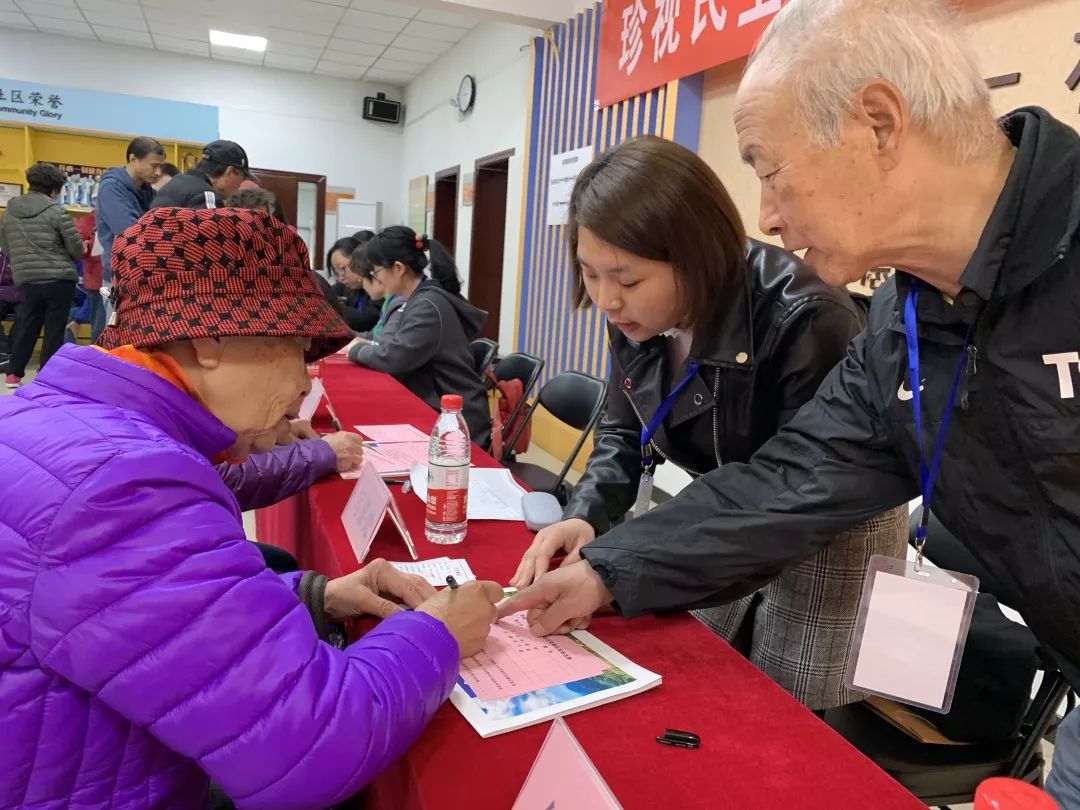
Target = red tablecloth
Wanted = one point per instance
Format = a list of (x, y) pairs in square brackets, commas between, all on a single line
[(759, 749)]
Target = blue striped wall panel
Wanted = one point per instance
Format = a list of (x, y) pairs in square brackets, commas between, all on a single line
[(564, 117)]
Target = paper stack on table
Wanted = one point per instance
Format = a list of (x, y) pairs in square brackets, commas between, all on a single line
[(493, 493), (392, 434), (436, 571)]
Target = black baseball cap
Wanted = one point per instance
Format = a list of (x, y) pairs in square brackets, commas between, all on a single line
[(228, 153)]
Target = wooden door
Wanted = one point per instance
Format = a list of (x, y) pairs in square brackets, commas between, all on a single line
[(489, 239), (446, 201), (292, 196)]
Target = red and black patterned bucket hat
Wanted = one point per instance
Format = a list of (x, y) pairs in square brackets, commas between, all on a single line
[(182, 273)]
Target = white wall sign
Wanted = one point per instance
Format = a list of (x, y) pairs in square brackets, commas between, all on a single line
[(562, 172)]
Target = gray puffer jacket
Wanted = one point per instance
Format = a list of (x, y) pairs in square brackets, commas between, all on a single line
[(425, 345), (39, 236)]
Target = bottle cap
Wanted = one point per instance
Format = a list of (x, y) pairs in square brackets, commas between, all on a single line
[(452, 402)]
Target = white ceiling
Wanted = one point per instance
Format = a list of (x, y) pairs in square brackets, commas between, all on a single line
[(377, 40)]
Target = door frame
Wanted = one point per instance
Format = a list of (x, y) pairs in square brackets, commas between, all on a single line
[(497, 157), (320, 204), (444, 174), (481, 163)]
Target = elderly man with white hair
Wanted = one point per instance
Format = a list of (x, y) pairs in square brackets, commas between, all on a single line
[(876, 146)]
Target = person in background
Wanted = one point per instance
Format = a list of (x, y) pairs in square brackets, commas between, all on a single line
[(124, 195), (168, 172), (733, 336), (93, 274), (876, 145), (79, 312), (389, 305), (429, 348), (214, 180), (361, 312), (146, 646), (254, 198), (39, 236), (9, 307)]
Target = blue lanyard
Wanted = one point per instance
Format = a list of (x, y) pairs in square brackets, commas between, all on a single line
[(928, 475), (649, 430)]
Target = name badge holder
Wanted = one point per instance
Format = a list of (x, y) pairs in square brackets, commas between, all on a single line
[(913, 619), (648, 464)]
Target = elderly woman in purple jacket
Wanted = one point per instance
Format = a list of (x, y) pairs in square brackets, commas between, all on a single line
[(145, 647)]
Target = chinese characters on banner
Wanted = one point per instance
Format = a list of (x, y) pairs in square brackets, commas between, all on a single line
[(647, 43), (36, 104), (31, 104)]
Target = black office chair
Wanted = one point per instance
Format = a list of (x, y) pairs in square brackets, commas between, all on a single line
[(483, 352), (525, 368), (940, 775), (575, 399)]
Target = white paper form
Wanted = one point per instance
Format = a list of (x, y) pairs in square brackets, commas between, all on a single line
[(436, 571), (493, 493)]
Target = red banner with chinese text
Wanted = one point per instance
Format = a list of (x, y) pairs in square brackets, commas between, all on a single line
[(647, 43)]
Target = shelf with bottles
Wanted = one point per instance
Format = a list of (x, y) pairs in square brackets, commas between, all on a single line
[(81, 153)]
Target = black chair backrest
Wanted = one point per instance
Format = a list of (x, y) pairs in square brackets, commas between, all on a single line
[(520, 366), (483, 351), (527, 369), (576, 399)]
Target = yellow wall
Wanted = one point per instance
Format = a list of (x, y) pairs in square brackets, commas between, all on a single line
[(12, 155), (1034, 37), (21, 147)]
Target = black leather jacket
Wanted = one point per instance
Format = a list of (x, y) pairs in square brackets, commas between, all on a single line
[(762, 358)]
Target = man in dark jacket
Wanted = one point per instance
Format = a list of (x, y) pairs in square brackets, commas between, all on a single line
[(909, 171), (213, 181), (125, 195)]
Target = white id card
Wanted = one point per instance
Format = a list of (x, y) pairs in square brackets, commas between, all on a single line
[(910, 633), (644, 495)]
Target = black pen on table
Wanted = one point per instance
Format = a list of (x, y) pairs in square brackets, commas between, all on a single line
[(451, 582)]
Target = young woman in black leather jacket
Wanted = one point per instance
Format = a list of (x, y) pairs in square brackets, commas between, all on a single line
[(743, 333)]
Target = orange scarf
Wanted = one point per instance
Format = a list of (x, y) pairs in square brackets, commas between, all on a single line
[(156, 362), (163, 365)]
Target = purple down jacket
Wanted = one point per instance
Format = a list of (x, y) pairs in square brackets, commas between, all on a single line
[(266, 478), (145, 648)]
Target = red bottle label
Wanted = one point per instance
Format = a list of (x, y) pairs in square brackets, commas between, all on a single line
[(447, 493)]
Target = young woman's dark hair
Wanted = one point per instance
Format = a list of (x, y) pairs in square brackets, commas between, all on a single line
[(45, 178), (359, 262), (644, 196), (400, 243), (142, 147)]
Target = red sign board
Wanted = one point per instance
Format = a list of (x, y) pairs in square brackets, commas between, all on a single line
[(647, 43)]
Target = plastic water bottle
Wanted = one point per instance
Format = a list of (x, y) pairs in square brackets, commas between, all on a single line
[(448, 475)]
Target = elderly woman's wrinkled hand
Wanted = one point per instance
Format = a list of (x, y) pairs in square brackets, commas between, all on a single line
[(364, 592), (349, 449)]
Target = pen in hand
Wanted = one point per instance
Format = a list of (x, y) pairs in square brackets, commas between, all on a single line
[(451, 582)]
